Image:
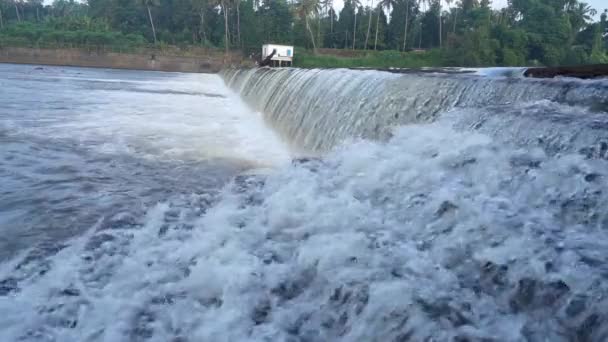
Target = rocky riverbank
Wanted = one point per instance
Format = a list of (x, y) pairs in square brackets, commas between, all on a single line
[(581, 71)]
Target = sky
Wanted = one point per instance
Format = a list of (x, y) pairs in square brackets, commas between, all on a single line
[(599, 5)]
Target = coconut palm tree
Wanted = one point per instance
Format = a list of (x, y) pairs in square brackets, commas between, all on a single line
[(328, 6), (586, 11), (407, 20), (580, 14), (384, 4), (305, 9), (378, 9), (356, 4), (449, 3), (200, 6), (17, 11), (224, 4), (238, 21), (369, 23), (148, 4), (439, 2), (455, 10), (420, 4)]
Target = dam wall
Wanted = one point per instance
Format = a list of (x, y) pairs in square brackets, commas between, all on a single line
[(319, 109), (208, 62)]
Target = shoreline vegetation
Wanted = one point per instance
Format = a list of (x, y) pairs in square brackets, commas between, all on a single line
[(371, 59), (364, 33), (213, 61), (383, 34)]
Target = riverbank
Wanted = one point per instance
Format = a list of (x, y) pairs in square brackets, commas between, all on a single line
[(581, 71), (335, 58), (212, 60), (209, 61)]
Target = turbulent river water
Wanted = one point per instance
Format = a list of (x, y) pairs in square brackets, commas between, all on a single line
[(302, 205)]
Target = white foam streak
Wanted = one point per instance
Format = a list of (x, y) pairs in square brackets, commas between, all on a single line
[(368, 244), (171, 117), (318, 110)]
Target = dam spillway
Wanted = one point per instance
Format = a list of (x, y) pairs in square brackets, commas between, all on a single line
[(318, 109), (302, 205)]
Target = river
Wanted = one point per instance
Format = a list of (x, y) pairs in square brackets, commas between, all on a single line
[(301, 205)]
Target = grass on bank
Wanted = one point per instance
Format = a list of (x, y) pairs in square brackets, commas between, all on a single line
[(371, 59)]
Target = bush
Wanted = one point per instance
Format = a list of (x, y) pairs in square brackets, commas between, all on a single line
[(576, 56), (371, 59), (598, 57), (72, 31), (511, 57)]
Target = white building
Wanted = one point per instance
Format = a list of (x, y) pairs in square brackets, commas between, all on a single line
[(283, 55)]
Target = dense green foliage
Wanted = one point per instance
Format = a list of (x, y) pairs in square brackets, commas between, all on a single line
[(73, 32), (466, 33), (373, 59)]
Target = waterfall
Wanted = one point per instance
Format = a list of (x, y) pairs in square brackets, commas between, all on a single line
[(318, 109)]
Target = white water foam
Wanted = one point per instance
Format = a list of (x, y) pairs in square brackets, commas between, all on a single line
[(172, 117), (498, 71), (433, 235), (319, 109), (216, 124)]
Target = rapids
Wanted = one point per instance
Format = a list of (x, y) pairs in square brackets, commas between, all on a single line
[(416, 207)]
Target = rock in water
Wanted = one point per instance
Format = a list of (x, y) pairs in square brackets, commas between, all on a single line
[(583, 71)]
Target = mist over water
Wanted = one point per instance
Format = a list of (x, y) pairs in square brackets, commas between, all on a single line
[(160, 207)]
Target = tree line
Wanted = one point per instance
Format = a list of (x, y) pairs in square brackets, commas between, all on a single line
[(468, 32)]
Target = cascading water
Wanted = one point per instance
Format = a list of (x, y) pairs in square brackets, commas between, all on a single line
[(317, 109), (441, 208), (478, 217)]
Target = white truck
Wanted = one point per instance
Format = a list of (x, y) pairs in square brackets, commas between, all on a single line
[(283, 54)]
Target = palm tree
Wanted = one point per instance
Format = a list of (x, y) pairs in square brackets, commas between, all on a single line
[(238, 21), (455, 10), (420, 3), (369, 23), (449, 2), (387, 4), (377, 22), (439, 1), (17, 11), (200, 6), (586, 11), (304, 9), (148, 4), (223, 4), (580, 13), (407, 19), (329, 9), (356, 4), (430, 4), (319, 40)]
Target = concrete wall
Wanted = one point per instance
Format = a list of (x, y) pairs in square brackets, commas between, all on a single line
[(210, 61)]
